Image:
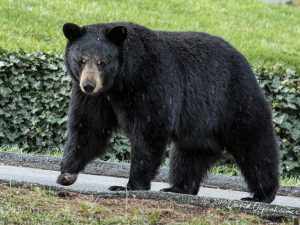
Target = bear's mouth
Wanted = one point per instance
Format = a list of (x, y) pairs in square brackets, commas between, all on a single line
[(91, 81), (90, 87)]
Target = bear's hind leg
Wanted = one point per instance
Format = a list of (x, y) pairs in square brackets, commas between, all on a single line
[(258, 160), (187, 169), (261, 175)]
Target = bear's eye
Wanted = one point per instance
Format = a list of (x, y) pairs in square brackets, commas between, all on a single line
[(81, 62), (101, 63)]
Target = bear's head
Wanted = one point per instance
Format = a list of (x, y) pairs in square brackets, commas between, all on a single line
[(93, 55)]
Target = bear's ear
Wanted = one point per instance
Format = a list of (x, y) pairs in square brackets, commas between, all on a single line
[(117, 34), (72, 31)]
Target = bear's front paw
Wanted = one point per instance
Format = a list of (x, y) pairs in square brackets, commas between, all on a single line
[(174, 190), (249, 199), (67, 178), (255, 199), (117, 188), (177, 189)]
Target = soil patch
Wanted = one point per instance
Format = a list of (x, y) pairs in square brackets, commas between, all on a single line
[(32, 205)]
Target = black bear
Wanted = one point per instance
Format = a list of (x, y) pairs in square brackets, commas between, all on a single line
[(189, 88)]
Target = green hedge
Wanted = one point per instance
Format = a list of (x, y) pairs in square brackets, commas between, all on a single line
[(34, 96), (282, 89)]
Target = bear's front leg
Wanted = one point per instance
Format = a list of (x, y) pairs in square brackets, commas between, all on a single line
[(90, 124), (145, 161), (84, 144)]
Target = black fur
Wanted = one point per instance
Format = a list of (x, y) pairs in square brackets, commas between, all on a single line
[(190, 88), (117, 34), (72, 31)]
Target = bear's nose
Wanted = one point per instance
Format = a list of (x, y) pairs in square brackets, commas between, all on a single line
[(89, 87)]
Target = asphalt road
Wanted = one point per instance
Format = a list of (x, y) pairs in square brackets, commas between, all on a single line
[(86, 182)]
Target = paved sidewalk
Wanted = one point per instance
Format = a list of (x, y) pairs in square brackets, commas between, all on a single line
[(98, 167), (86, 182)]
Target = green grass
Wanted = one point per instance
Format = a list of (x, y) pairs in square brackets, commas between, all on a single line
[(233, 170), (290, 180), (33, 205), (265, 33), (16, 149)]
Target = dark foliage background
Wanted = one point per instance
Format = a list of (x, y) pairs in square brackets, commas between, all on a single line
[(34, 96)]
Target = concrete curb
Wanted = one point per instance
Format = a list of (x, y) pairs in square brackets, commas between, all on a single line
[(261, 209), (98, 167)]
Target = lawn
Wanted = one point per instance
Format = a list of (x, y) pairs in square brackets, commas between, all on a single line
[(41, 206), (266, 33)]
